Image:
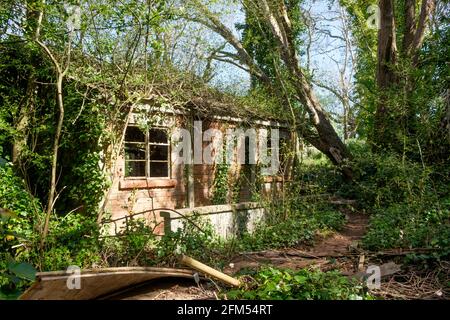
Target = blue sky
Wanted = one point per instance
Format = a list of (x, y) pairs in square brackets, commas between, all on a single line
[(323, 65)]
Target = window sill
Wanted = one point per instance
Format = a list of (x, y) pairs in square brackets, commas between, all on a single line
[(142, 183)]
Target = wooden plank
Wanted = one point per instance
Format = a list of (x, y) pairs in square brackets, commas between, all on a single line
[(96, 282), (203, 268), (361, 262)]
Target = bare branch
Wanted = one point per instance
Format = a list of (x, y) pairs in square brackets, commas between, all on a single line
[(217, 26)]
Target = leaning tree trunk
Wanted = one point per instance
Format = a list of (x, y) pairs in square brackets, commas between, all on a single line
[(328, 141), (276, 18)]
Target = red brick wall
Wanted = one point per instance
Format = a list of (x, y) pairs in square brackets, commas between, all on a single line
[(123, 201)]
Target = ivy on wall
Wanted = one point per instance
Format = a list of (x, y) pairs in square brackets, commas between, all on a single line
[(221, 184)]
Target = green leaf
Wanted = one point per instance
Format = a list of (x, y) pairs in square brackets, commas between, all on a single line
[(300, 279), (3, 162), (13, 295), (23, 270)]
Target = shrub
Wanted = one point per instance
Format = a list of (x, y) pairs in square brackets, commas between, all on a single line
[(132, 245), (72, 240), (196, 238), (19, 215), (403, 226), (409, 201), (383, 179), (296, 222), (20, 212), (278, 284)]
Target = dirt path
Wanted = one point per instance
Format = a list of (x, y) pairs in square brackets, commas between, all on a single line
[(325, 254), (340, 242)]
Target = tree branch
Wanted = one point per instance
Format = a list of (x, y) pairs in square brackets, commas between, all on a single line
[(217, 26), (425, 11)]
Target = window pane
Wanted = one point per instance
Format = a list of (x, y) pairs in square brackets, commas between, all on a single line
[(134, 151), (159, 152), (135, 168), (134, 134), (158, 136), (159, 169)]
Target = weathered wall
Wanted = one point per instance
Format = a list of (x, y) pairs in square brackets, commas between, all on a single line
[(227, 220)]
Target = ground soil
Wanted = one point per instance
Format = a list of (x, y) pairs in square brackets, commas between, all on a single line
[(328, 251)]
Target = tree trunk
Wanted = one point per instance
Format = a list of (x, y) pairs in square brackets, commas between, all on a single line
[(386, 121), (52, 192), (410, 26), (26, 108), (328, 140), (386, 78)]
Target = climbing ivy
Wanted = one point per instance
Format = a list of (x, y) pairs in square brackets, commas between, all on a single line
[(220, 184)]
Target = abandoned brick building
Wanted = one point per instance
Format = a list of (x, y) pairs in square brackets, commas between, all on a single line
[(149, 179)]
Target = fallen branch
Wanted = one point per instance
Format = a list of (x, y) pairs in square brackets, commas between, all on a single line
[(203, 268)]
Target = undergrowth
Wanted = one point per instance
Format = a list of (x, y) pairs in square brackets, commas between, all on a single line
[(276, 284), (408, 204)]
